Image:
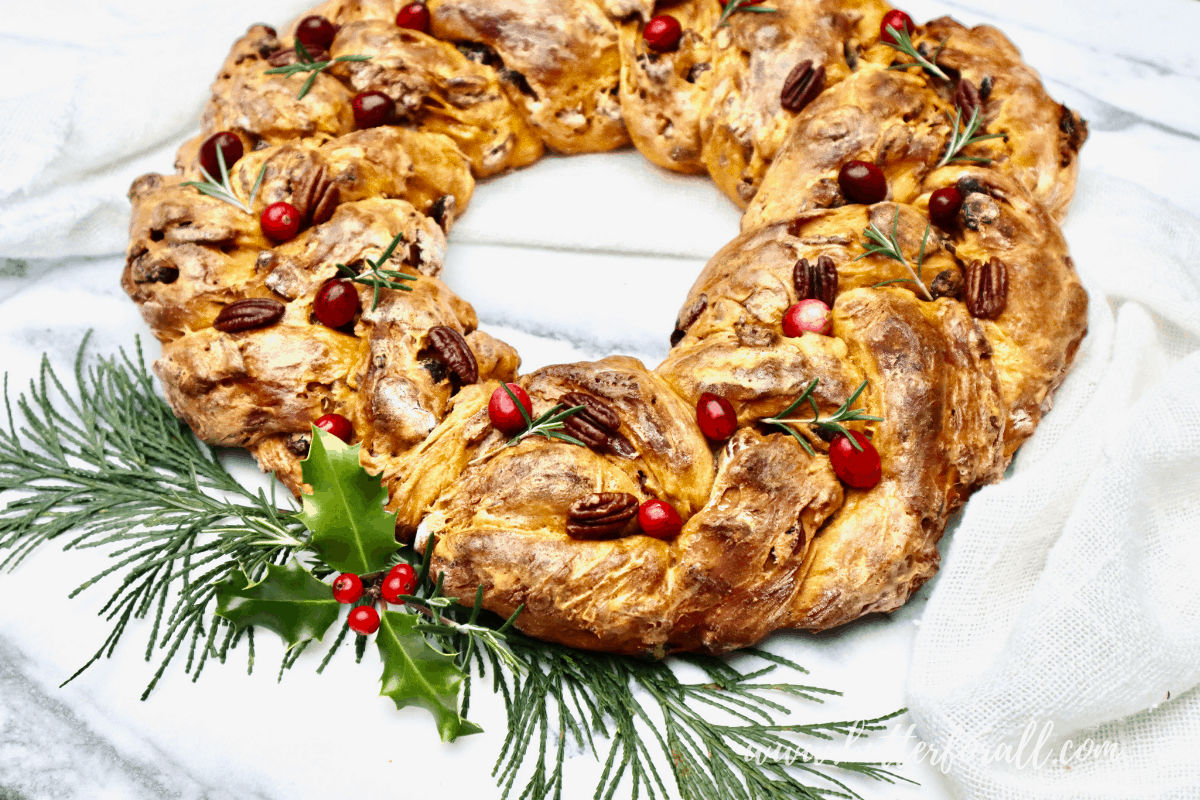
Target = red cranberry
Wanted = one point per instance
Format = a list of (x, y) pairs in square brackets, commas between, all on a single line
[(662, 33), (336, 303), (415, 17), (862, 182), (716, 417), (315, 32), (336, 425), (807, 316), (280, 221), (505, 414), (364, 620), (402, 580), (944, 205), (347, 588), (372, 109), (898, 20), (858, 468), (659, 519), (231, 150)]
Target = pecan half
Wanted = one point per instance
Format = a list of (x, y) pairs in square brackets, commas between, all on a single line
[(966, 97), (686, 317), (454, 352), (596, 426), (601, 515), (986, 289), (817, 281), (316, 196), (245, 315), (802, 85)]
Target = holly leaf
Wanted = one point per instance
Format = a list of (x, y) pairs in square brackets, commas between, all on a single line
[(288, 601), (414, 674), (350, 529)]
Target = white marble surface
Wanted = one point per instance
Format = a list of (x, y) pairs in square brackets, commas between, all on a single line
[(582, 264)]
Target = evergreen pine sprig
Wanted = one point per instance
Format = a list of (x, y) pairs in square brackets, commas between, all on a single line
[(307, 64), (377, 277), (960, 139), (833, 422), (222, 190), (110, 466), (900, 40), (734, 6), (549, 424), (882, 244)]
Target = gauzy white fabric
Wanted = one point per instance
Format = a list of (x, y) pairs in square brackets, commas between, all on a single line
[(1068, 593)]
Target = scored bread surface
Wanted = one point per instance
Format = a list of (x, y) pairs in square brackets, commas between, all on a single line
[(771, 538)]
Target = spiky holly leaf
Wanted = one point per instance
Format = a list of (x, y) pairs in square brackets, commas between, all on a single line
[(350, 529), (414, 674), (288, 601)]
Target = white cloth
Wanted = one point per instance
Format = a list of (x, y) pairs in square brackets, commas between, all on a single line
[(1068, 593)]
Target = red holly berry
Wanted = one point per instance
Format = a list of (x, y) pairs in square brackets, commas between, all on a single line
[(414, 16), (336, 303), (662, 33), (862, 182), (231, 149), (895, 19), (858, 468), (337, 425), (659, 519), (807, 316), (347, 588), (716, 416), (280, 221), (314, 31), (372, 109), (505, 414), (944, 205), (400, 581), (364, 620)]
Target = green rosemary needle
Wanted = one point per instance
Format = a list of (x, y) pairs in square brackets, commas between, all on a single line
[(832, 422), (307, 64), (960, 139), (882, 244), (222, 190), (376, 276)]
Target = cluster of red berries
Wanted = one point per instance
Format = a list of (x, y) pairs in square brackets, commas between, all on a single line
[(401, 581)]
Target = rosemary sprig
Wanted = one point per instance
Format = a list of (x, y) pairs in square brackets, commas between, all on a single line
[(307, 64), (378, 277), (734, 6), (882, 244), (832, 422), (965, 138), (549, 424), (223, 190), (900, 40)]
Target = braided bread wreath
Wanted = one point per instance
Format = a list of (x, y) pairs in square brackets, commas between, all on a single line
[(959, 369)]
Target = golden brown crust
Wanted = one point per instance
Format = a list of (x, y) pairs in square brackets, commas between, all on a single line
[(439, 89), (743, 123), (663, 94), (562, 56), (958, 345), (264, 108), (1042, 137)]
